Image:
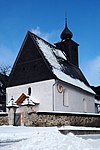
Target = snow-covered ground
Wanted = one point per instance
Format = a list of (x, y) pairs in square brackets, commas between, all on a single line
[(44, 138)]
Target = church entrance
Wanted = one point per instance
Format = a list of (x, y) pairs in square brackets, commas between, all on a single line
[(17, 119)]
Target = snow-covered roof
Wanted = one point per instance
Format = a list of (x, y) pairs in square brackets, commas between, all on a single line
[(11, 103), (33, 99), (29, 101), (25, 99), (60, 67)]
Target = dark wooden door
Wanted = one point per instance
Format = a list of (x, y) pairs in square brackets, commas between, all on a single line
[(17, 119)]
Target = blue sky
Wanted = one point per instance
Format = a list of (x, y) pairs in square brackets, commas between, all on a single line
[(46, 18)]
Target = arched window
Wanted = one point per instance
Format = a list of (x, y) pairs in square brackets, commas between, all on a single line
[(29, 91)]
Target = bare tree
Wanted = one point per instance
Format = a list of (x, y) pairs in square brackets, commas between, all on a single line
[(5, 69)]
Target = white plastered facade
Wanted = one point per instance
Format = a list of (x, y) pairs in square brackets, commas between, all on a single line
[(46, 93)]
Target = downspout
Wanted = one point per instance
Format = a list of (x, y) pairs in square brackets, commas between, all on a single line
[(53, 96)]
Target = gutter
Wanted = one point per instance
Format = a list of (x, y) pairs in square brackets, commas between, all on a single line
[(53, 96)]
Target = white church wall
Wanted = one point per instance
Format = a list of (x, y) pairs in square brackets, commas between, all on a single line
[(73, 99), (53, 98), (40, 92)]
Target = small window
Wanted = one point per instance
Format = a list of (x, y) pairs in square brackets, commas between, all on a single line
[(29, 91)]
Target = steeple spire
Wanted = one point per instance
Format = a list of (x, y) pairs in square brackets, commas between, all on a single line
[(66, 33), (68, 46), (65, 19)]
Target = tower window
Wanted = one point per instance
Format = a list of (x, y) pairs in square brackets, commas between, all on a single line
[(29, 91)]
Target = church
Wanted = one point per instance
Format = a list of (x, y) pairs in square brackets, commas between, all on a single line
[(47, 77)]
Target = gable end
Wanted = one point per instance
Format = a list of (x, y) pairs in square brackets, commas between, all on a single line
[(29, 66)]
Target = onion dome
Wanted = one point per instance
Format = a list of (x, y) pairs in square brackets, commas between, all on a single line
[(66, 33)]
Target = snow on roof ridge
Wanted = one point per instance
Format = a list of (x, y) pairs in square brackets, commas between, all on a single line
[(49, 52)]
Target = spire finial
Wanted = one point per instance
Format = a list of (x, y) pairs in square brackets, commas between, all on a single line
[(66, 34), (65, 19)]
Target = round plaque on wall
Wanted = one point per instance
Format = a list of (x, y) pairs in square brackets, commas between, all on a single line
[(60, 88)]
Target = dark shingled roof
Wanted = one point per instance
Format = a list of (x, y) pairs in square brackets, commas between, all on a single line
[(53, 60)]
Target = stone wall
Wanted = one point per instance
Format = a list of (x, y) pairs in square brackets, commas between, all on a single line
[(61, 119), (3, 119)]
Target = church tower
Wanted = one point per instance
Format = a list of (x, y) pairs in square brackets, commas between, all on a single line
[(68, 46)]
